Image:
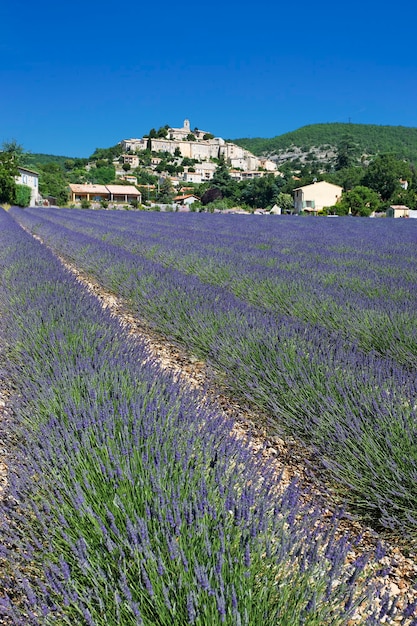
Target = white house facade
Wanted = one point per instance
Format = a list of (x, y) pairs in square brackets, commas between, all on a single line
[(315, 197), (30, 179)]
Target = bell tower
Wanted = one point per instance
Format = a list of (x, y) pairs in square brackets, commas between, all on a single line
[(187, 125)]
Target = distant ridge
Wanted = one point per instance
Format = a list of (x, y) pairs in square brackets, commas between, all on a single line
[(371, 139)]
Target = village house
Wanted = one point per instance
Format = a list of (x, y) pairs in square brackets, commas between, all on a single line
[(398, 210), (186, 200), (192, 177), (131, 159), (315, 197), (30, 179), (110, 193)]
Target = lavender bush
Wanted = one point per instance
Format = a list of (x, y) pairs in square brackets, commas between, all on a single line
[(354, 403), (129, 500)]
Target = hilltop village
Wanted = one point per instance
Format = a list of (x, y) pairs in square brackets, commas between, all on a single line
[(202, 148)]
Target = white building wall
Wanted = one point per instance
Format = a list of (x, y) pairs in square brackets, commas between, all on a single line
[(31, 180)]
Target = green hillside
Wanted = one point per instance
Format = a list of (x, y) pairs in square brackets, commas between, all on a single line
[(371, 139), (36, 160)]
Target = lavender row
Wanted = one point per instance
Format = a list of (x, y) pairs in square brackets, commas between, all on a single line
[(355, 278), (129, 501), (356, 408)]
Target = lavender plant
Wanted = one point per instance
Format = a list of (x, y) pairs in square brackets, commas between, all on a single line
[(356, 406), (129, 501)]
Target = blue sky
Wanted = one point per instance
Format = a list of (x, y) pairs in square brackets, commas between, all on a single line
[(87, 74)]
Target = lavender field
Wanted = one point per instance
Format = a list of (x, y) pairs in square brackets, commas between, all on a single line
[(129, 500)]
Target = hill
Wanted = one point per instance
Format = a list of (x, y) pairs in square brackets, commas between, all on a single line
[(35, 160), (370, 138)]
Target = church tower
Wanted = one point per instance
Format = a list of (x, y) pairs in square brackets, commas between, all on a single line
[(187, 125)]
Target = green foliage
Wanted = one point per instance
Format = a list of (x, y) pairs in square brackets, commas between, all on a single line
[(207, 136), (161, 133), (8, 172), (190, 137), (107, 153), (384, 174), (260, 192), (53, 182), (166, 192), (222, 180), (347, 152), (360, 201), (22, 197), (370, 139), (186, 162), (102, 175), (347, 178), (145, 178), (285, 201), (13, 148)]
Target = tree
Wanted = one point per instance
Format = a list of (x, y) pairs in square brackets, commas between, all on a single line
[(166, 192), (52, 182), (102, 175), (360, 201), (8, 174), (384, 173), (347, 177), (347, 152), (162, 132), (222, 180), (13, 148), (285, 201), (211, 195), (22, 197)]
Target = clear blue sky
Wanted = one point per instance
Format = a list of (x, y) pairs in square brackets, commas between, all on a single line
[(79, 75)]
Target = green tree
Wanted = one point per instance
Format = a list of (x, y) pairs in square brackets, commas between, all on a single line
[(52, 182), (8, 174), (102, 175), (13, 148), (360, 201), (347, 152), (166, 192), (384, 173), (260, 192), (106, 153), (222, 180), (348, 177), (145, 178), (285, 201), (22, 197)]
